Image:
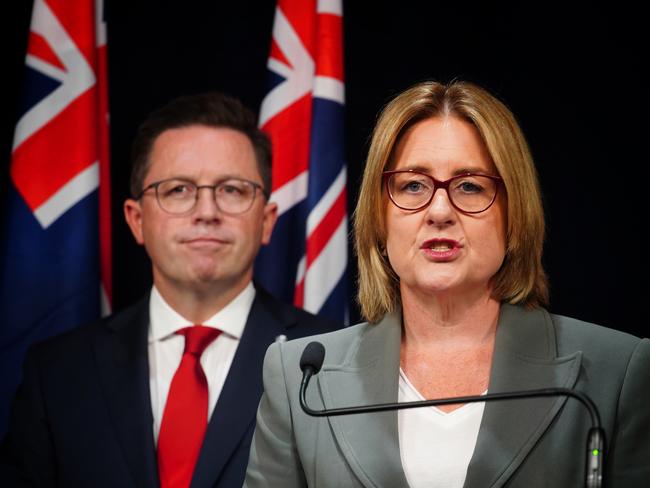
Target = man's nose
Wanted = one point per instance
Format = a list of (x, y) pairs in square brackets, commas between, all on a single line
[(206, 207)]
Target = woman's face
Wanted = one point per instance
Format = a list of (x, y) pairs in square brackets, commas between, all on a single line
[(439, 250)]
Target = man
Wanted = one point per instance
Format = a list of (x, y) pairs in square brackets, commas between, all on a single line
[(165, 392)]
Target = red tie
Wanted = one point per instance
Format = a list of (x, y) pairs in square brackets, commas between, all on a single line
[(185, 418)]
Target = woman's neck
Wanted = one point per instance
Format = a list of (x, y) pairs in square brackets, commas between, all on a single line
[(449, 321)]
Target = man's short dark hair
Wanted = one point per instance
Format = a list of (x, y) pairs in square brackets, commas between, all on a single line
[(211, 109)]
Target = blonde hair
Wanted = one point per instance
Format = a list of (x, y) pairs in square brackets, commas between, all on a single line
[(521, 278)]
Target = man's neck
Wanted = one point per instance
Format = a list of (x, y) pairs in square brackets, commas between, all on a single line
[(198, 305)]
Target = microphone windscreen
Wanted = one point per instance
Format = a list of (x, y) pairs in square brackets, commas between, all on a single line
[(313, 357)]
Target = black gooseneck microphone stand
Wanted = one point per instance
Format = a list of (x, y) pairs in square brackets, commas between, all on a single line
[(314, 354)]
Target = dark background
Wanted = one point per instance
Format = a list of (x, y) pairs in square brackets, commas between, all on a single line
[(571, 73)]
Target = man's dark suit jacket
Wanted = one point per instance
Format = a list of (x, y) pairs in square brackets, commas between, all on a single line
[(82, 416)]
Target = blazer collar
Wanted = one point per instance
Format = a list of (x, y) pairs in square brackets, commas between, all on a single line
[(525, 358), (121, 354), (368, 375), (234, 413)]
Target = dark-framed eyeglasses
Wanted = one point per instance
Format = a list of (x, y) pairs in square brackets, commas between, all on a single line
[(470, 193), (177, 196)]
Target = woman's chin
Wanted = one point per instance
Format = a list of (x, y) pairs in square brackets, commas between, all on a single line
[(444, 288), (434, 287)]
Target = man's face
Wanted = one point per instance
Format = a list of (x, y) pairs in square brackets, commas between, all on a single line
[(205, 249)]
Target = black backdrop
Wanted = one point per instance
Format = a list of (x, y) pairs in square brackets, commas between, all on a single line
[(571, 73)]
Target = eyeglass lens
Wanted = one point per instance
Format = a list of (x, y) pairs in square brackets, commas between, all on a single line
[(179, 196), (470, 193)]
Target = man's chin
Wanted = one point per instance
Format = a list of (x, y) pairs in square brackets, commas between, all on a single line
[(207, 278), (210, 278)]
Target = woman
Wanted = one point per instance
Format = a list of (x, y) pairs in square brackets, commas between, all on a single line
[(449, 231)]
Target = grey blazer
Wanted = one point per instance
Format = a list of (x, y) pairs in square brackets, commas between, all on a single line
[(521, 443)]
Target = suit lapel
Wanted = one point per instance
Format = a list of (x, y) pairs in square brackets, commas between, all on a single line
[(122, 361), (369, 375), (234, 413), (524, 359)]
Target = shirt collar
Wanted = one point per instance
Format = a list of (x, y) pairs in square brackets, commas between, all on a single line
[(165, 321)]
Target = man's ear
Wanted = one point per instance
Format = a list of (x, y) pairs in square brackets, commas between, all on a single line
[(269, 220), (133, 217)]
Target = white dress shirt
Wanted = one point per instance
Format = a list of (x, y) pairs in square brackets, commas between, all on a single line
[(435, 446), (166, 348)]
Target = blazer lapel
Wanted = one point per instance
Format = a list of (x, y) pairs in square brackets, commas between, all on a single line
[(369, 375), (524, 359), (234, 413), (122, 361)]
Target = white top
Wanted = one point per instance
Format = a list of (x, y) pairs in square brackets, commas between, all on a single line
[(435, 447), (166, 348)]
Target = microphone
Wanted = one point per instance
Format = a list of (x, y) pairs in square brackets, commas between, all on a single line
[(312, 359)]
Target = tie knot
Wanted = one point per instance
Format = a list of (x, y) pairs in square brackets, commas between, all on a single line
[(197, 338)]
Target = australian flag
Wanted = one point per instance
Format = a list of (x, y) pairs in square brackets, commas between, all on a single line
[(55, 264), (303, 113)]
